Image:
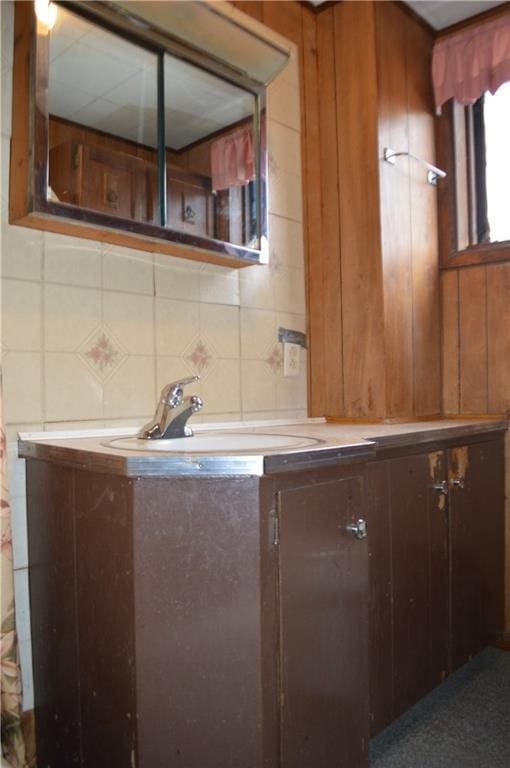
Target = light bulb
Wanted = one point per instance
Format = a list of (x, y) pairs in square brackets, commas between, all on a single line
[(46, 12)]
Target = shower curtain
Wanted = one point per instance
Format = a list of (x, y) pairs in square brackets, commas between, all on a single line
[(13, 747)]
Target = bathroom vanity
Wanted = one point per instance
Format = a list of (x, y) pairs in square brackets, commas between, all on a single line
[(226, 609)]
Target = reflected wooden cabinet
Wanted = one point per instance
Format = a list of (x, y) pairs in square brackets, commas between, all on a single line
[(121, 184)]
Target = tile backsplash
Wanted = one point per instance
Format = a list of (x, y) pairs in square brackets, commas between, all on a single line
[(92, 332)]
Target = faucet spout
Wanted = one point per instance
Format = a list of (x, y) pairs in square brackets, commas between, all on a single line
[(172, 413)]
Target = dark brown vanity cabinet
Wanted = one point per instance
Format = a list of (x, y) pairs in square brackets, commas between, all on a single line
[(217, 622), (436, 521)]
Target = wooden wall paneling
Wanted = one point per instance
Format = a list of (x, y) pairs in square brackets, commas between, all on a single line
[(424, 248), (253, 8), (329, 302), (498, 332), (450, 342), (319, 360), (358, 174), (473, 340), (284, 18), (391, 46)]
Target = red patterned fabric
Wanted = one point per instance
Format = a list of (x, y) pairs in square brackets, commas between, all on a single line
[(471, 61)]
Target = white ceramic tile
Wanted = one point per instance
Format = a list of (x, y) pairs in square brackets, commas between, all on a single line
[(219, 325), (285, 194), (17, 472), (221, 390), (131, 319), (70, 316), (289, 287), (6, 98), (130, 391), (177, 278), (19, 532), (285, 243), (21, 252), (177, 325), (25, 655), (258, 386), (258, 332), (71, 261), (291, 390), (284, 145), (72, 392), (128, 270), (21, 315), (219, 285), (283, 103), (257, 288), (58, 426), (22, 386)]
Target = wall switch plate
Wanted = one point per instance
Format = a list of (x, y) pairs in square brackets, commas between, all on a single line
[(291, 359)]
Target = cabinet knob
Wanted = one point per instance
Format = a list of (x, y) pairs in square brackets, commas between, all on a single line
[(457, 482), (358, 529), (442, 487)]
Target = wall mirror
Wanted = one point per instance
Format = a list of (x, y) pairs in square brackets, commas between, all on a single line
[(136, 138)]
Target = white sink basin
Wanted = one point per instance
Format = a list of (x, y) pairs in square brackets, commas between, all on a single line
[(215, 442)]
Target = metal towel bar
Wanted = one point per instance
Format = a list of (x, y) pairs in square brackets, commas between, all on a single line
[(433, 174)]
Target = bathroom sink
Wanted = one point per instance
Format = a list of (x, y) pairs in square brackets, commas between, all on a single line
[(216, 442)]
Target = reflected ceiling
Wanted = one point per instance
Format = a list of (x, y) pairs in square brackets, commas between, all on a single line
[(104, 82)]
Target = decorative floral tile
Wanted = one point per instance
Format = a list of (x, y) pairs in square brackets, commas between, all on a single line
[(102, 353), (274, 359), (200, 357)]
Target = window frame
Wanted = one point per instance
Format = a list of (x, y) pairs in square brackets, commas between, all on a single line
[(456, 194), (28, 201)]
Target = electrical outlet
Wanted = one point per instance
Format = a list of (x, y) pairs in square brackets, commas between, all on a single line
[(291, 359)]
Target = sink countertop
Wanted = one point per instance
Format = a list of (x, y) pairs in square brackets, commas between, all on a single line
[(340, 442)]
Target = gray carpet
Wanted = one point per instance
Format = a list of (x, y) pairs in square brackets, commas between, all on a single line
[(465, 723)]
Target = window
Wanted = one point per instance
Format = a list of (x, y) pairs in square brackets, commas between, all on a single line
[(474, 200)]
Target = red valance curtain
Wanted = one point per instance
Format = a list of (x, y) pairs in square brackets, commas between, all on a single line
[(471, 61), (233, 159)]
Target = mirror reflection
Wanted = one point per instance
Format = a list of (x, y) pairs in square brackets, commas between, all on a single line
[(103, 136)]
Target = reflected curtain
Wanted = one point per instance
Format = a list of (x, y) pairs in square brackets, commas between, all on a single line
[(467, 63), (13, 747), (233, 159)]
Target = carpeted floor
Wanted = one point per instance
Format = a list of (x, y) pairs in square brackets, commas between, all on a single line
[(465, 723)]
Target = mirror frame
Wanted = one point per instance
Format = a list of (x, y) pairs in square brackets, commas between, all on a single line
[(28, 202)]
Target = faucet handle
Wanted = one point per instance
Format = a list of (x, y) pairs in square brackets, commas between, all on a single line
[(172, 393)]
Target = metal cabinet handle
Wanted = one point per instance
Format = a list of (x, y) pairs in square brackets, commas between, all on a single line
[(442, 486), (359, 529), (457, 482)]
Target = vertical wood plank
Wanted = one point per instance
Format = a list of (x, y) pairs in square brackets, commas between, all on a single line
[(498, 319), (423, 208), (251, 7), (473, 340), (450, 343), (330, 304), (320, 352), (391, 36), (362, 294)]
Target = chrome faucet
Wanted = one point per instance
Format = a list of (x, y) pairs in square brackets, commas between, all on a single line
[(173, 412)]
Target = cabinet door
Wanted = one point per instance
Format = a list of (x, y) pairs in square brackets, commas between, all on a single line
[(419, 543), (324, 627), (476, 480)]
